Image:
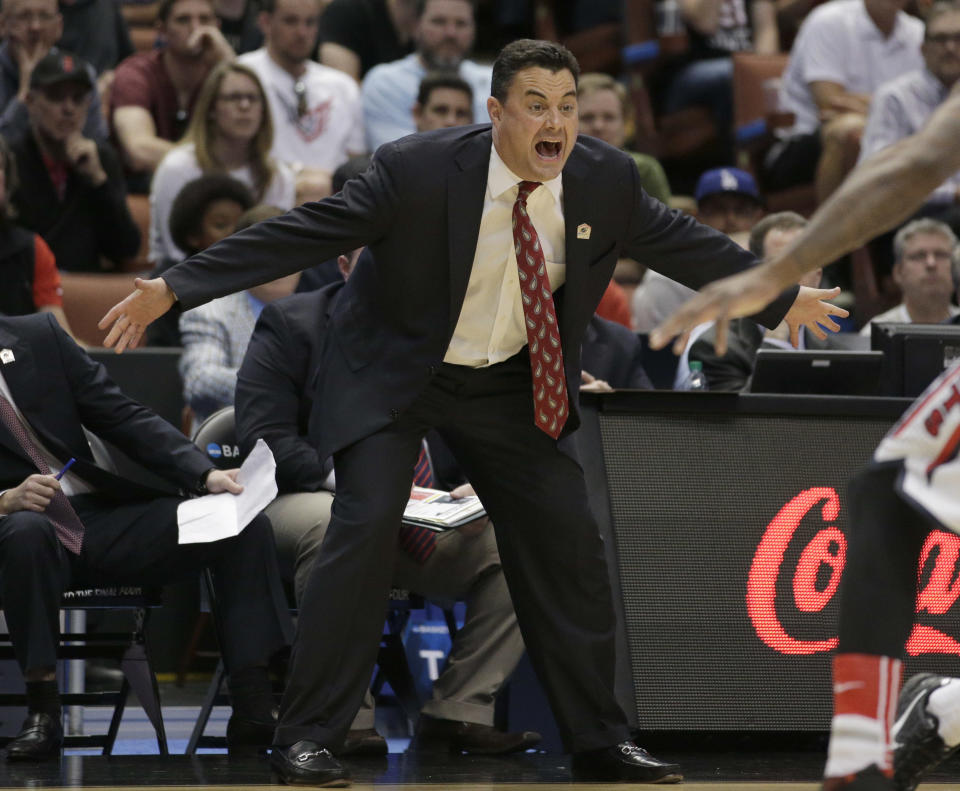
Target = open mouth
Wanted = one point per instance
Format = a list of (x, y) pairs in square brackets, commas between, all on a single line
[(549, 149)]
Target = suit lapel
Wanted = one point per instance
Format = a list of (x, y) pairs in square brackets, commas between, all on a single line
[(466, 190), (22, 378), (576, 208)]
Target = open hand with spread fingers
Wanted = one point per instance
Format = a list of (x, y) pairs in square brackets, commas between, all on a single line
[(129, 318)]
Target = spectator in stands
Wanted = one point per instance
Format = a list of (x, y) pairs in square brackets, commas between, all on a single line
[(925, 261), (93, 527), (30, 30), (274, 400), (727, 199), (29, 280), (153, 93), (902, 106), (733, 370), (316, 111), (71, 187), (444, 36), (356, 35), (230, 132), (205, 211), (606, 112), (612, 358), (845, 50), (703, 75), (215, 337), (444, 99), (96, 31), (239, 23)]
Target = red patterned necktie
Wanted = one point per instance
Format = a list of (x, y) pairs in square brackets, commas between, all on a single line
[(64, 519), (419, 542), (550, 403)]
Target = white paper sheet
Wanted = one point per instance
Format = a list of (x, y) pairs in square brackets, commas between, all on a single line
[(216, 516)]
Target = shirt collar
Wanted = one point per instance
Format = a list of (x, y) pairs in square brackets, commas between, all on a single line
[(900, 33), (500, 179)]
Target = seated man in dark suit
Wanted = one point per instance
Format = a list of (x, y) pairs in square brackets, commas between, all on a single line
[(733, 370), (88, 526), (273, 401), (612, 355)]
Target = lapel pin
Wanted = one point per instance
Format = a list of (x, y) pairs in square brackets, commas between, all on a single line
[(583, 231), (6, 356)]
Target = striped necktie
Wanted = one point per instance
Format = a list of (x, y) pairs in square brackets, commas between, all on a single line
[(66, 523), (420, 542)]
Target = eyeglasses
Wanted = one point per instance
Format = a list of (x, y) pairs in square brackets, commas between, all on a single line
[(29, 17), (944, 38), (920, 256), (300, 91), (239, 98)]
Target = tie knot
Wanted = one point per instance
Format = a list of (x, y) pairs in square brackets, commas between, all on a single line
[(525, 188)]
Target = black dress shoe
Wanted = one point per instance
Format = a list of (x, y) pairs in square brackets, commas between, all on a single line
[(40, 739), (249, 736), (364, 742), (624, 762), (307, 763), (435, 735)]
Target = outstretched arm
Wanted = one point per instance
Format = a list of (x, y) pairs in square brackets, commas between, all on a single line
[(877, 195)]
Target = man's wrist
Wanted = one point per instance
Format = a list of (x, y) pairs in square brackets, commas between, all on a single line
[(201, 485)]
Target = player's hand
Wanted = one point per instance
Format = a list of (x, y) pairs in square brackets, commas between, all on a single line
[(810, 310), (223, 481), (34, 494), (131, 316), (729, 298)]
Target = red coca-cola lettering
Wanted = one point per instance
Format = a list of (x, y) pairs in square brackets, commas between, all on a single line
[(762, 581), (827, 548), (820, 567)]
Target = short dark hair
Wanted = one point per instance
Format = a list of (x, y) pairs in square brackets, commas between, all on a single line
[(779, 221), (422, 6), (525, 53), (442, 79), (192, 202), (166, 6)]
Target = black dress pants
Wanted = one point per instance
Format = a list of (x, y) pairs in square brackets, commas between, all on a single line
[(549, 543), (136, 544)]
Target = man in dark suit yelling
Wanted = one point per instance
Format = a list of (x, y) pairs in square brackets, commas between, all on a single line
[(89, 526), (491, 248)]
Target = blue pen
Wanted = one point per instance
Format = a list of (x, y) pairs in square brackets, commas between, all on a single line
[(66, 467)]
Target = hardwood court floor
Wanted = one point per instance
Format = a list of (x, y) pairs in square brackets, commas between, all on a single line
[(729, 771)]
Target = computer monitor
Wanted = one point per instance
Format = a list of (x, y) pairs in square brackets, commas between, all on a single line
[(914, 354), (813, 372)]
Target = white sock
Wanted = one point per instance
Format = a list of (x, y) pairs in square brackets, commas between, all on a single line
[(944, 704), (856, 742)]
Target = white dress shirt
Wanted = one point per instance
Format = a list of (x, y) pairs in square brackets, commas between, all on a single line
[(494, 287)]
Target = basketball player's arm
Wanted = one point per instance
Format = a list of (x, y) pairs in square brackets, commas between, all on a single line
[(876, 196)]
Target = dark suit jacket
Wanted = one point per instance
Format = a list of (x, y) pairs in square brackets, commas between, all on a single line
[(90, 222), (615, 354), (418, 208), (734, 370), (59, 390), (272, 400)]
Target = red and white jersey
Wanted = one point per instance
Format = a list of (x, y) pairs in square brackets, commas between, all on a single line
[(927, 439)]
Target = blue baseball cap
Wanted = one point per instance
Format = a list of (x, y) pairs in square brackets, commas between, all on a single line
[(720, 180)]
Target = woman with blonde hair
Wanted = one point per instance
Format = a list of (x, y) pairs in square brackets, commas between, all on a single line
[(230, 132)]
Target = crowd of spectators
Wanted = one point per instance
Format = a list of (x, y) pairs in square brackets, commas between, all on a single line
[(280, 94)]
